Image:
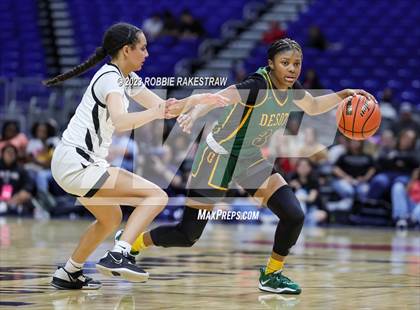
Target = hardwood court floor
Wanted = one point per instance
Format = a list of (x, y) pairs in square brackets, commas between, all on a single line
[(344, 268)]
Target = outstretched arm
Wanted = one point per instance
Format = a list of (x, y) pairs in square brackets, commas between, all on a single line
[(124, 121), (321, 104), (149, 99), (186, 120)]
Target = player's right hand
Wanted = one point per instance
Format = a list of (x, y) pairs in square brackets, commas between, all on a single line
[(186, 122), (214, 99)]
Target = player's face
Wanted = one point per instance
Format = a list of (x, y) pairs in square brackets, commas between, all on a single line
[(286, 67), (137, 55)]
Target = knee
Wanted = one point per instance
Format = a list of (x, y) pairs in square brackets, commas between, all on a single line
[(381, 179), (162, 200), (344, 188), (286, 206), (113, 220), (157, 199), (398, 188), (189, 242), (190, 238), (191, 232), (297, 217)]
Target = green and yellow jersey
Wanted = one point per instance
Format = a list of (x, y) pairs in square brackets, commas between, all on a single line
[(246, 126)]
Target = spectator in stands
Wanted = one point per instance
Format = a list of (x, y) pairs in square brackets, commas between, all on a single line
[(153, 26), (275, 33), (316, 151), (238, 72), (386, 143), (165, 171), (406, 201), (189, 27), (295, 140), (15, 184), (10, 134), (388, 112), (170, 24), (39, 152), (406, 119), (123, 151), (388, 98), (305, 185), (317, 39), (353, 170), (396, 165), (338, 149), (279, 151), (311, 80), (180, 149)]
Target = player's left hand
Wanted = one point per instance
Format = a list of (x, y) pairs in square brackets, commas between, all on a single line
[(354, 92), (173, 108)]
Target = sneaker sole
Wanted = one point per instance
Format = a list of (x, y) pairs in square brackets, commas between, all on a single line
[(124, 273), (84, 288), (285, 290)]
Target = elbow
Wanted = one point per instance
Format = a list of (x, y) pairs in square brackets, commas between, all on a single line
[(119, 128), (118, 124), (311, 111)]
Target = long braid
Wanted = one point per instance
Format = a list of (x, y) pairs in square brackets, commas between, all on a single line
[(117, 36), (95, 58), (282, 45)]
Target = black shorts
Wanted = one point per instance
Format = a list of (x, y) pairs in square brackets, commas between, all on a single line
[(212, 173)]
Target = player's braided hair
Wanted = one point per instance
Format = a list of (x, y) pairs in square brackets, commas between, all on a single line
[(282, 45), (114, 39)]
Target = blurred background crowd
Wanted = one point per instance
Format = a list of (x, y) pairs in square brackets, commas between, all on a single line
[(374, 182)]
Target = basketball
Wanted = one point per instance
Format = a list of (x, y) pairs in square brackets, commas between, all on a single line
[(358, 118)]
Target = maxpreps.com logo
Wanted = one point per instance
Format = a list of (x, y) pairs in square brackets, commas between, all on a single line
[(228, 215)]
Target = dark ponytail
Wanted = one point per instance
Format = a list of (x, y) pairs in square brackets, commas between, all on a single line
[(94, 59), (115, 38)]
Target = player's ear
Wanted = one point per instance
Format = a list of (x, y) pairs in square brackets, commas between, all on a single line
[(125, 49), (271, 64)]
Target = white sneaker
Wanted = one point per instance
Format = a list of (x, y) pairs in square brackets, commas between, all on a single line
[(401, 224)]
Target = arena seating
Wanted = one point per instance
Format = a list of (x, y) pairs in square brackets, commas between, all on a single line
[(375, 51), (90, 20), (22, 53)]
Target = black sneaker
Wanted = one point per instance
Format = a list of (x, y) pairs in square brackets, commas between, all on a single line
[(64, 280), (115, 264), (131, 258)]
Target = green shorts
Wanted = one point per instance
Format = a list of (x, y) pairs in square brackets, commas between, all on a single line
[(212, 173)]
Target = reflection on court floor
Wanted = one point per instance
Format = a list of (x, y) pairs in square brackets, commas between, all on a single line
[(337, 269)]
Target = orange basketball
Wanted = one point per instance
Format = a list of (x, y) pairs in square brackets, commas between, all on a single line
[(358, 118)]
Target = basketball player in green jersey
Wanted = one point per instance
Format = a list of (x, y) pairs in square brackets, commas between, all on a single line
[(231, 152)]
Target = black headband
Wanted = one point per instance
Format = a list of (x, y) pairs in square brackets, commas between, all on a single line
[(131, 37)]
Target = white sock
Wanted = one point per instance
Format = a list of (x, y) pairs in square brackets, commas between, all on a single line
[(122, 247), (71, 266)]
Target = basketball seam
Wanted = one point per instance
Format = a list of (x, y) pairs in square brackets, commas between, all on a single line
[(357, 131), (354, 116), (374, 107)]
